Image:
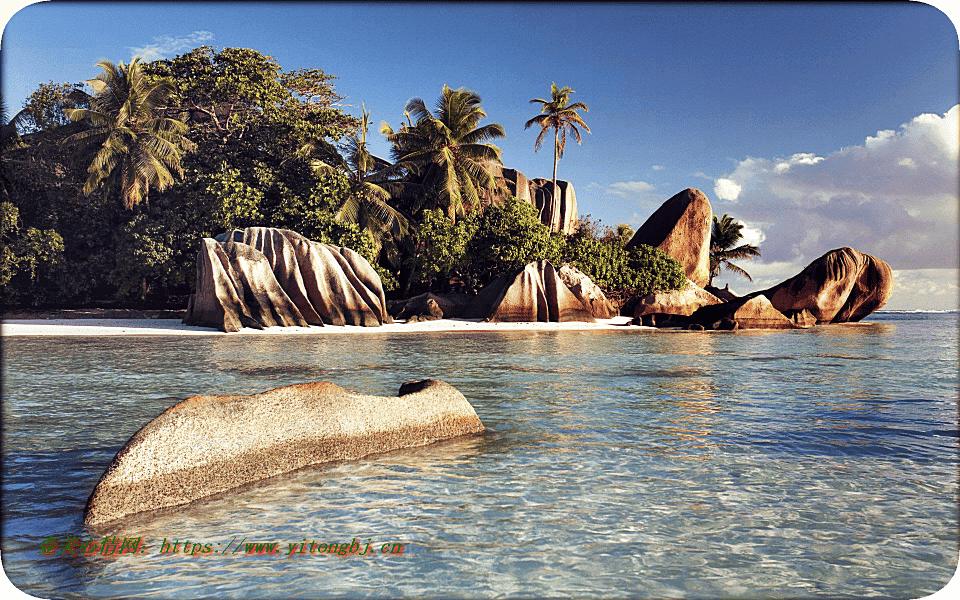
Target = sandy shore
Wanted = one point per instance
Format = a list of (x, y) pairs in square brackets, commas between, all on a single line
[(107, 327)]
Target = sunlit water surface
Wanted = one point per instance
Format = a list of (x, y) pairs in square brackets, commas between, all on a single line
[(619, 464)]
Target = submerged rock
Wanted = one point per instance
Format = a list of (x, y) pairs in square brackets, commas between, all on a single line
[(209, 444), (681, 228)]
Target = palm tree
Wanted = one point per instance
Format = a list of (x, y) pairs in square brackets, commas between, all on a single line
[(724, 236), (560, 116), (446, 152), (133, 149), (370, 187)]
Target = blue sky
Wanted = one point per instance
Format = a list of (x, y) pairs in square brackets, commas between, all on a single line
[(818, 125)]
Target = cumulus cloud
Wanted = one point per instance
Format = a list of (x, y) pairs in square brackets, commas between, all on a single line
[(629, 189), (893, 196), (165, 46), (727, 189)]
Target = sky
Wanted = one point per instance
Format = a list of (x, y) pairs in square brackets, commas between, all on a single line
[(816, 125)]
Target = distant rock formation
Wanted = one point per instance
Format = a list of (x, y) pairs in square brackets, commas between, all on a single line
[(209, 444), (843, 285), (263, 277), (557, 211), (587, 292), (677, 302), (535, 293), (681, 228)]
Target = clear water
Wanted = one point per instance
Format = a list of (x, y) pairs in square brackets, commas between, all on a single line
[(629, 463)]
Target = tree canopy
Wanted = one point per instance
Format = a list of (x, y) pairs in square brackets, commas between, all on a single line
[(724, 236)]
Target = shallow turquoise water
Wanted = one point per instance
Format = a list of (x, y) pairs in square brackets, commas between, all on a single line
[(818, 463)]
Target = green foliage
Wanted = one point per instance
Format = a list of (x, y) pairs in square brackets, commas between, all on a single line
[(44, 108), (445, 153), (509, 236), (560, 116), (24, 253), (640, 270), (128, 145), (724, 235), (442, 246)]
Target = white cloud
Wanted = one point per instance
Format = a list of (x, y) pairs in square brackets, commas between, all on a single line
[(164, 46), (907, 162), (629, 189), (894, 196), (658, 167), (727, 189)]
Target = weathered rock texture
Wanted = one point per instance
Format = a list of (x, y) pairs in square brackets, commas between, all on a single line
[(558, 211), (843, 285), (209, 444), (749, 313), (677, 302), (681, 228), (534, 294), (587, 292), (263, 277)]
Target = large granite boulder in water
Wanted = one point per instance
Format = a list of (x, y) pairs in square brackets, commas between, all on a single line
[(843, 285), (209, 444), (262, 277), (536, 293), (681, 228)]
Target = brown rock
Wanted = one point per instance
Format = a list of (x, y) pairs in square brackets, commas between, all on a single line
[(677, 302), (534, 294), (236, 288), (681, 228), (517, 185), (749, 313), (209, 444), (321, 283), (587, 292), (723, 293), (558, 211), (843, 285)]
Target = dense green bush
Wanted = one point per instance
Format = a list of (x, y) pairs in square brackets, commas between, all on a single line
[(441, 247), (510, 235), (611, 266), (24, 253)]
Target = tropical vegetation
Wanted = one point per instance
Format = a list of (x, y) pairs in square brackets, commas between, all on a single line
[(132, 146), (560, 116), (108, 186), (725, 236)]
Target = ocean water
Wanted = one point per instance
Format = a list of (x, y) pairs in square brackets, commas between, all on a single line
[(627, 463)]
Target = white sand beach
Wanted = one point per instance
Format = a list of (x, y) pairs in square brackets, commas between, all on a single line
[(109, 327)]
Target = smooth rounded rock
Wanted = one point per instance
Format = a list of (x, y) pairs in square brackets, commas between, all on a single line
[(205, 445)]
